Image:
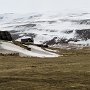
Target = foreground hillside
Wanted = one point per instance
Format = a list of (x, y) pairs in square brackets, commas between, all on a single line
[(70, 72)]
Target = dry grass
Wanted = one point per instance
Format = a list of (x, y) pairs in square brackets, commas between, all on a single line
[(70, 72)]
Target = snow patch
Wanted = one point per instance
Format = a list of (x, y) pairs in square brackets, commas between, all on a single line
[(35, 51)]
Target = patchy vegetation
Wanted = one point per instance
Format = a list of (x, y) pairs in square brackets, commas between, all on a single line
[(70, 72)]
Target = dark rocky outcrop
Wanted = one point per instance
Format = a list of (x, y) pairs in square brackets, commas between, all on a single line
[(83, 34), (5, 35), (57, 40), (51, 42)]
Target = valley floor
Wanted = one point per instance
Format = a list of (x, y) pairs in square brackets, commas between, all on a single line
[(69, 72)]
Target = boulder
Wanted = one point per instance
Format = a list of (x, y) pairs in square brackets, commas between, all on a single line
[(5, 35)]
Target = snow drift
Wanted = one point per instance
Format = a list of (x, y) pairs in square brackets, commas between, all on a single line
[(35, 51)]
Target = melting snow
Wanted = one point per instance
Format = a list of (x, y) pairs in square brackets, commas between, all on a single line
[(35, 51)]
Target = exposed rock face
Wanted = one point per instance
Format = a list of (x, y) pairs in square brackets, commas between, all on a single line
[(83, 34), (51, 42), (57, 40), (5, 35)]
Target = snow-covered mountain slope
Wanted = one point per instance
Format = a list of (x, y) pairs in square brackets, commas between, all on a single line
[(48, 28)]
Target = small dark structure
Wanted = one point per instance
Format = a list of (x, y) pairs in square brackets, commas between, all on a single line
[(27, 40), (5, 35)]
